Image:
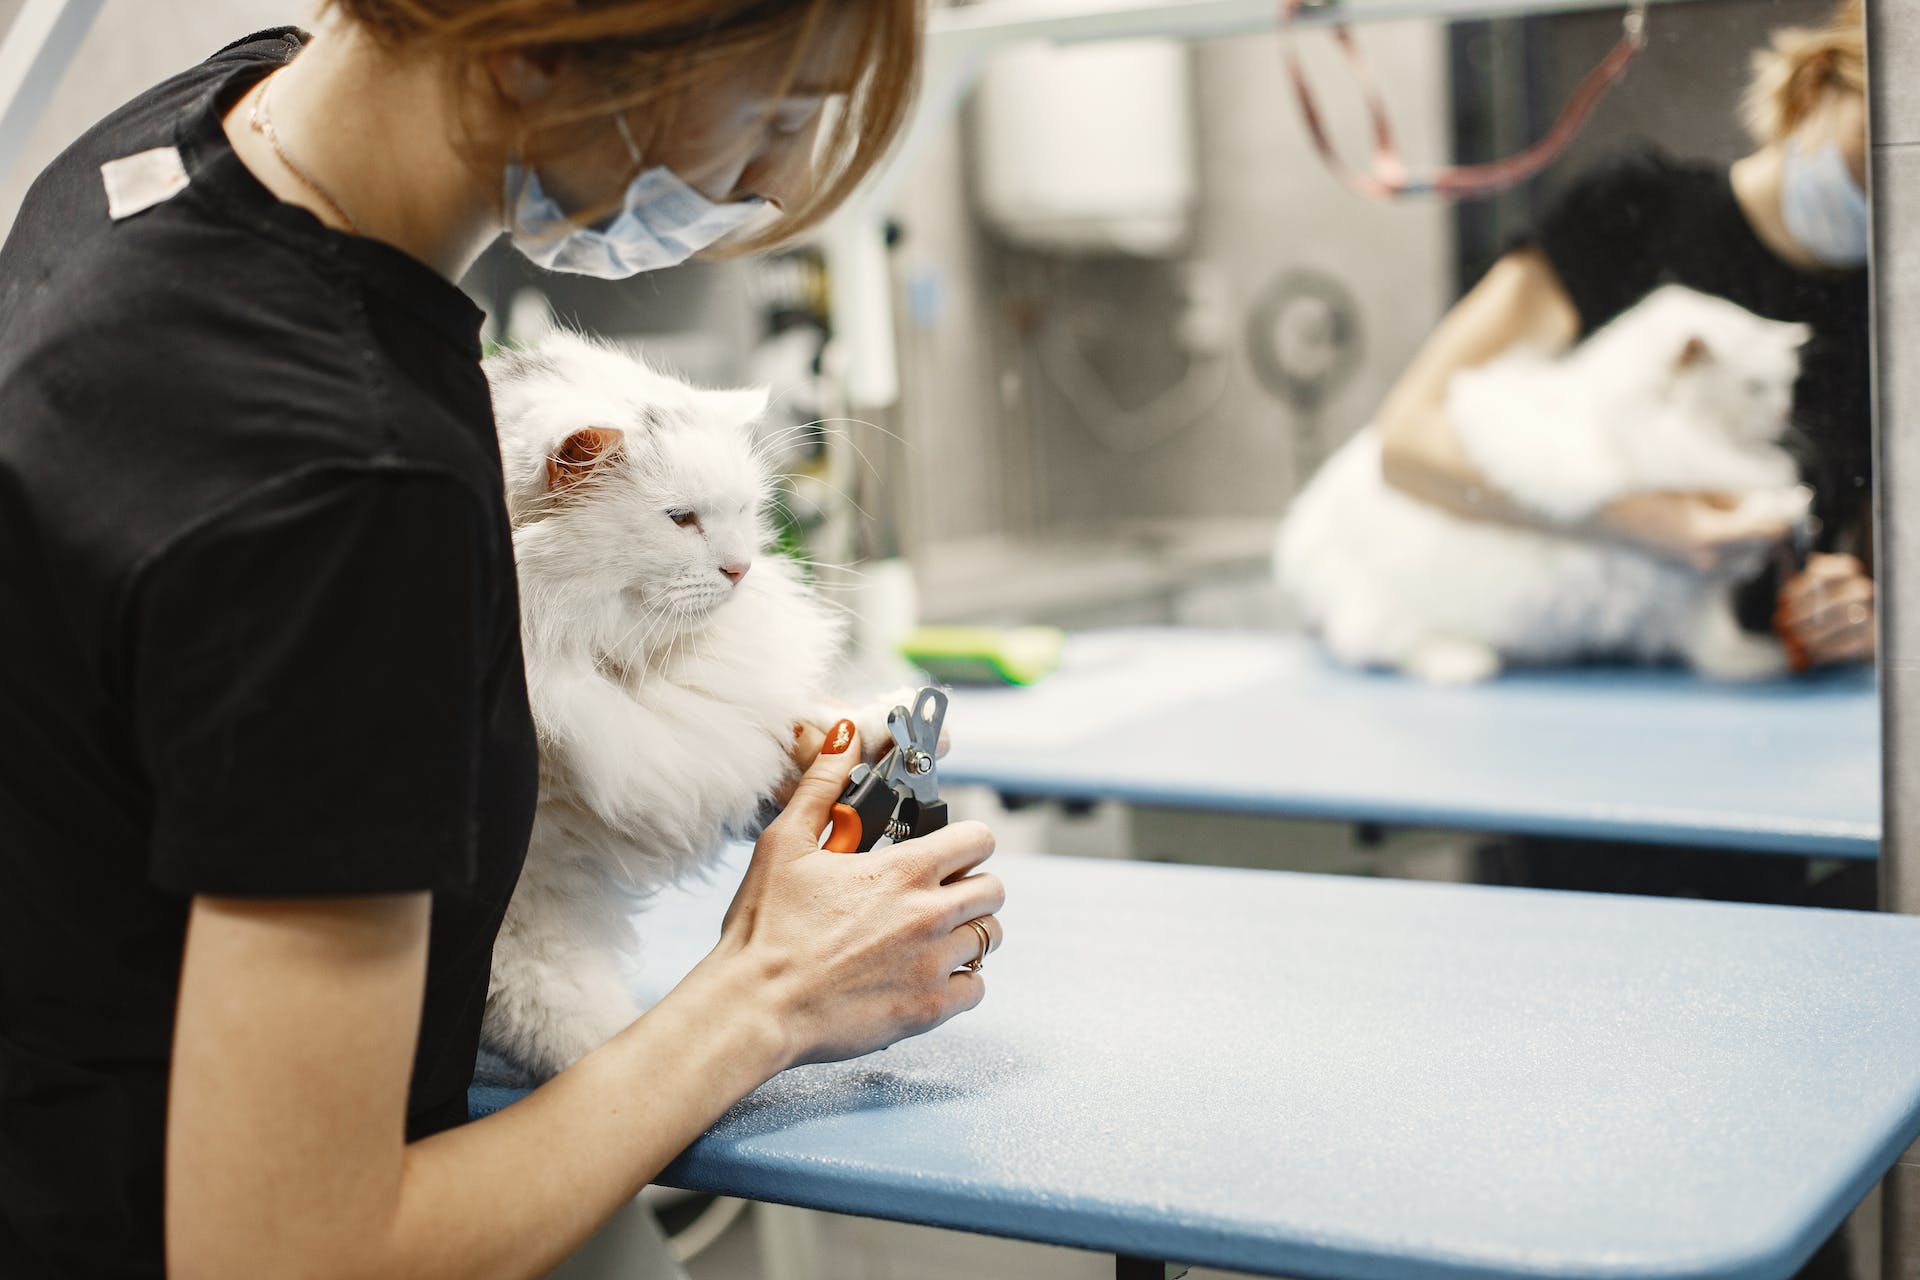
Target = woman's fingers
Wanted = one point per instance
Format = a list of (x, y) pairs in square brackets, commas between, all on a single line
[(948, 853), (963, 944), (1716, 533), (1700, 529), (1719, 529), (807, 743), (811, 809), (1848, 603), (964, 991), (1826, 611), (1840, 642), (1822, 573), (1855, 646), (969, 897)]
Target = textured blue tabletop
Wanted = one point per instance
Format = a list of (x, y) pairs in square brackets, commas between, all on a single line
[(1324, 1076), (1265, 724)]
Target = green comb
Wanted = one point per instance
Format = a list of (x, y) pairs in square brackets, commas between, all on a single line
[(984, 655)]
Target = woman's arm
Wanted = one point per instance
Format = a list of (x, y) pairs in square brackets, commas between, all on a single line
[(1519, 300), (297, 1022)]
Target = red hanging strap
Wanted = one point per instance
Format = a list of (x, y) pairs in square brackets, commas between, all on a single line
[(1387, 178)]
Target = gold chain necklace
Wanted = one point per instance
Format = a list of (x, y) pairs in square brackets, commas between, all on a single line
[(260, 117)]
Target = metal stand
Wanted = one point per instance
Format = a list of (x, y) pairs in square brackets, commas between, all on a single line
[(628, 1246), (789, 1242), (1893, 39)]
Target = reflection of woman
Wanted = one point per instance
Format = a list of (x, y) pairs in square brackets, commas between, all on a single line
[(269, 766), (1783, 232)]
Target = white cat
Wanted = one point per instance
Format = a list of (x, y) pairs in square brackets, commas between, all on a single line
[(669, 658), (1683, 392)]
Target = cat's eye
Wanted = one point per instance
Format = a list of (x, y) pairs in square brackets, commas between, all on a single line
[(684, 518)]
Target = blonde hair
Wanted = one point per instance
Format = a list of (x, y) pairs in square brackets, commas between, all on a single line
[(1793, 77), (626, 55)]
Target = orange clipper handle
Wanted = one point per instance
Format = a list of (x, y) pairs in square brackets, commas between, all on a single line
[(861, 816), (846, 833)]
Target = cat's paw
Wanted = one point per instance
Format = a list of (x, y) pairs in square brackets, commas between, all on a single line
[(1761, 510), (1788, 505), (1740, 657), (869, 717), (1452, 662)]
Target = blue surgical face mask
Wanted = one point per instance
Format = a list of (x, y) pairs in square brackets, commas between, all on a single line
[(662, 222), (1824, 208)]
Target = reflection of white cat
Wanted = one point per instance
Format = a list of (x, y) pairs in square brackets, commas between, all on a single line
[(668, 660), (1682, 393)]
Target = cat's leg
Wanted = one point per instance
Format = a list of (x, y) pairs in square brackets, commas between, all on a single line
[(664, 774), (1447, 660), (869, 717), (1715, 644), (547, 1012), (556, 991)]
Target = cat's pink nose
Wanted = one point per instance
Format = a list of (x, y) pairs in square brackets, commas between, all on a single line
[(734, 572)]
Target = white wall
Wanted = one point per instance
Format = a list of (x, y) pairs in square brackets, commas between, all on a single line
[(134, 44), (995, 446)]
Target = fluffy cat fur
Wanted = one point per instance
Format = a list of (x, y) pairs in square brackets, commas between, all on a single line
[(669, 658), (1683, 392)]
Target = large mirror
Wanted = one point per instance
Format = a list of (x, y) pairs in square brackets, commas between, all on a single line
[(1141, 321), (1550, 607)]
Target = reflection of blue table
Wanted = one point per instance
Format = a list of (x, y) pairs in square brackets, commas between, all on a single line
[(1262, 724), (1326, 1076)]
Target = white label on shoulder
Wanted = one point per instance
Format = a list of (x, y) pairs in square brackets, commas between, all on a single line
[(138, 182)]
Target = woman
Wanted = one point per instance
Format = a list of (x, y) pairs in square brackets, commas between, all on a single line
[(1783, 232), (259, 643)]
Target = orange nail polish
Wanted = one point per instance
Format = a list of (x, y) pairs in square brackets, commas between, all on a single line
[(839, 738)]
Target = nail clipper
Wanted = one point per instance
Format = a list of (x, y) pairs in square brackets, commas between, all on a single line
[(899, 796), (1793, 556)]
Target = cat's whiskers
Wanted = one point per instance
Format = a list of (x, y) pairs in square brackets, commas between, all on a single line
[(652, 606), (653, 616), (860, 453), (763, 449), (862, 422), (781, 436), (844, 496)]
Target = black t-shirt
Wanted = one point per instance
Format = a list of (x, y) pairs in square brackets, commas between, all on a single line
[(1642, 219), (258, 637)]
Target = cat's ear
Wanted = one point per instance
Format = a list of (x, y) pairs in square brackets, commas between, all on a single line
[(1693, 354), (579, 454), (737, 407)]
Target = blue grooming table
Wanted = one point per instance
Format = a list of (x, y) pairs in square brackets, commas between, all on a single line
[(1363, 1079), (1240, 722)]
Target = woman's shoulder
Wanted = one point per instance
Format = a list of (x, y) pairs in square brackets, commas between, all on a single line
[(148, 382)]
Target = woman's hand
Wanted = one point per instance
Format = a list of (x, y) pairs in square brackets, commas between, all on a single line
[(1825, 613), (1708, 531), (809, 739), (854, 951)]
